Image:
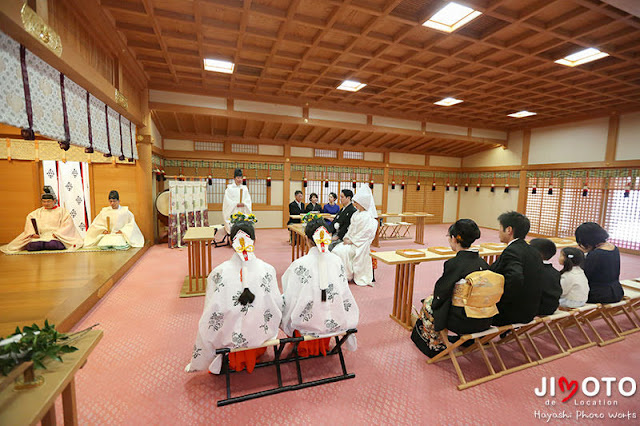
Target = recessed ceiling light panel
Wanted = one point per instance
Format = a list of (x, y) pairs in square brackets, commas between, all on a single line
[(351, 86), (451, 17), (217, 65), (522, 114), (582, 57), (448, 101)]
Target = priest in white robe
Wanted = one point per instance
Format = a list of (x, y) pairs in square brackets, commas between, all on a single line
[(242, 308), (317, 298), (355, 247), (114, 227), (236, 199), (48, 228)]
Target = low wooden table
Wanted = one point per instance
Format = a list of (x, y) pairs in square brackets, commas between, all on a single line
[(28, 407), (406, 268), (299, 245), (419, 216), (200, 242)]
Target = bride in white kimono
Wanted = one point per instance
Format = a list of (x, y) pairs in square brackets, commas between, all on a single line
[(236, 199), (317, 298), (114, 227), (355, 248), (242, 307)]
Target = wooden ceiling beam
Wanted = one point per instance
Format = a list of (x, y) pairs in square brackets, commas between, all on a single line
[(239, 42), (148, 7), (316, 123), (282, 30)]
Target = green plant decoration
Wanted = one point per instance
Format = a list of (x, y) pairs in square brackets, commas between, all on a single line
[(33, 344)]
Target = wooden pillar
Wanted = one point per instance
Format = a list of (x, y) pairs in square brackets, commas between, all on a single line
[(612, 138), (385, 183), (285, 185), (144, 174), (522, 185)]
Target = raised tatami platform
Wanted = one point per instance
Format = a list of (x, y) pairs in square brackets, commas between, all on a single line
[(59, 287)]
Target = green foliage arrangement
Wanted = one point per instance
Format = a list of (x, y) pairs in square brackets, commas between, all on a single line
[(241, 217), (311, 216), (33, 344)]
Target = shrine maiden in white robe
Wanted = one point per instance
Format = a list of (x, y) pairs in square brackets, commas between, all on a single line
[(225, 323), (53, 224), (362, 230), (304, 310), (120, 219), (231, 201)]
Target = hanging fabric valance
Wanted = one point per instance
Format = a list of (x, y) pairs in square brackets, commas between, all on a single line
[(37, 97)]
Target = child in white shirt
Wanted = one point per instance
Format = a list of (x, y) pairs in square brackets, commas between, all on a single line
[(575, 286)]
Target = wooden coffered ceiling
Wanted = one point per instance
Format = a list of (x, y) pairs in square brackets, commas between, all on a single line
[(205, 127), (298, 51)]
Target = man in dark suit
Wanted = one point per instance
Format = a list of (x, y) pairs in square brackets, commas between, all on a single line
[(341, 222), (521, 266), (296, 207)]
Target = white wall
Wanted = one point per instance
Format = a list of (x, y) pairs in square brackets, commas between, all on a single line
[(512, 156), (271, 150), (440, 161), (450, 206), (628, 147), (156, 137), (485, 206), (277, 186), (394, 199), (569, 143), (178, 145), (404, 158)]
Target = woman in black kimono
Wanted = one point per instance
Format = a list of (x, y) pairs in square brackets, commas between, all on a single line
[(601, 265), (440, 313)]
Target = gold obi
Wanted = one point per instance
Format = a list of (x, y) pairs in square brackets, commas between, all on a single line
[(479, 293)]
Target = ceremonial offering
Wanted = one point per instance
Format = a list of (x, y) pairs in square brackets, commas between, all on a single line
[(410, 253)]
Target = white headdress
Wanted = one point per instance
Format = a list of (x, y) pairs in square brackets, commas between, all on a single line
[(364, 197)]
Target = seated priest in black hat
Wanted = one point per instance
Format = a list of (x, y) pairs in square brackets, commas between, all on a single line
[(48, 228), (114, 228), (236, 199)]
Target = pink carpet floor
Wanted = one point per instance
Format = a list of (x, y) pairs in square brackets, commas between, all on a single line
[(136, 373)]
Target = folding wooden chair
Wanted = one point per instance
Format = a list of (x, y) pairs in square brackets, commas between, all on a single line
[(588, 316), (278, 345), (627, 307), (386, 227), (572, 320), (454, 349), (403, 227), (544, 325)]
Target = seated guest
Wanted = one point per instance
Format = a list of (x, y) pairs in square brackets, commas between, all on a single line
[(242, 307), (551, 289), (317, 299), (602, 264), (521, 266), (445, 316), (331, 207), (48, 228), (354, 248), (575, 286), (114, 227), (340, 224), (296, 207), (313, 206)]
